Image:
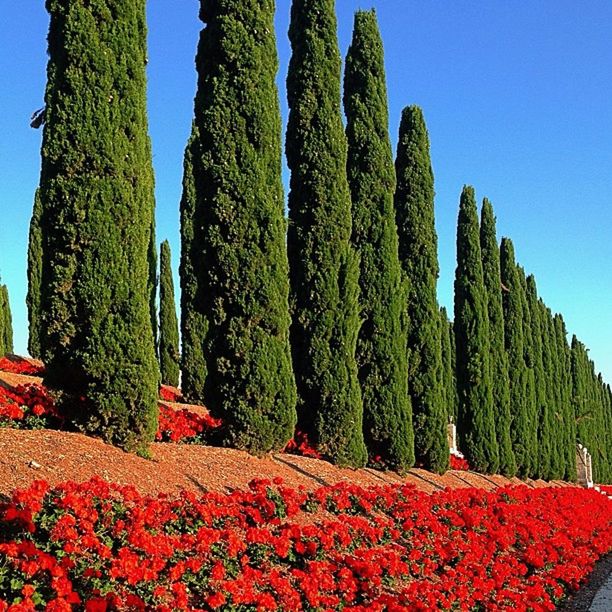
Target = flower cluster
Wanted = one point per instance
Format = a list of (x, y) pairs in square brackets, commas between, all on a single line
[(103, 547), (183, 425), (300, 445), (459, 463), (169, 394), (28, 407), (31, 407), (18, 365)]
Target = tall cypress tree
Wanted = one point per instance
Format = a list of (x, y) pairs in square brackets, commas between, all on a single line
[(551, 429), (543, 427), (567, 409), (324, 269), (453, 343), (448, 366), (497, 353), (168, 323), (96, 192), (513, 332), (476, 423), (418, 252), (381, 346), (194, 325), (34, 273), (531, 458), (3, 333), (152, 280), (2, 347), (236, 204), (579, 390), (7, 328)]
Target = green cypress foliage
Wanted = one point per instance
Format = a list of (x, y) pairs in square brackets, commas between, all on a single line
[(603, 459), (565, 419), (453, 343), (517, 369), (2, 337), (552, 428), (448, 367), (591, 410), (476, 424), (194, 325), (381, 346), (96, 192), (324, 269), (6, 323), (34, 273), (168, 323), (497, 353), (152, 280), (418, 252), (530, 393), (237, 206), (543, 427)]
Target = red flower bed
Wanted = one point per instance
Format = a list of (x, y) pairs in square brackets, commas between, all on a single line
[(391, 548), (17, 365), (28, 407), (607, 489)]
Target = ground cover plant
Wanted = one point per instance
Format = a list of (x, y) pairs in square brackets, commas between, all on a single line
[(103, 547)]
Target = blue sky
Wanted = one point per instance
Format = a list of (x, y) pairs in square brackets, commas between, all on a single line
[(517, 102)]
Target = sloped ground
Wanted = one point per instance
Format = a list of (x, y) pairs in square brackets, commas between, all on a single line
[(26, 456)]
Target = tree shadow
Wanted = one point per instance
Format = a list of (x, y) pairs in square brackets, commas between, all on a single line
[(301, 471), (431, 482)]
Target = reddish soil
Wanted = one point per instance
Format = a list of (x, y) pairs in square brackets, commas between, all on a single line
[(56, 456)]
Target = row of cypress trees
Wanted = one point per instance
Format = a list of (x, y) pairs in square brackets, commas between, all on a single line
[(329, 322), (6, 323), (348, 308), (592, 399), (525, 397)]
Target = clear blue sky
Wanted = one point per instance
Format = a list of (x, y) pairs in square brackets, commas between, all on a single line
[(517, 100)]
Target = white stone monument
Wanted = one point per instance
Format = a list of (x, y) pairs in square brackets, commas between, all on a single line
[(451, 430), (584, 466)]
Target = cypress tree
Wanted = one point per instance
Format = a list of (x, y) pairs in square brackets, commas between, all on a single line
[(552, 429), (531, 458), (194, 325), (96, 194), (381, 346), (602, 456), (168, 323), (448, 366), (476, 424), (543, 426), (568, 416), (590, 409), (497, 353), (8, 321), (453, 343), (152, 280), (241, 266), (34, 273), (324, 269), (418, 252), (2, 346), (4, 349), (513, 335)]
